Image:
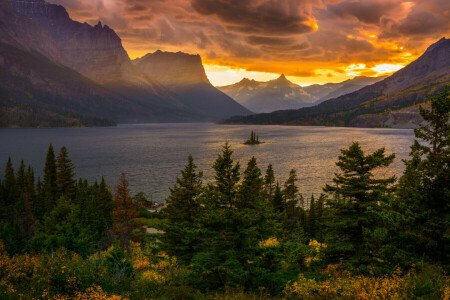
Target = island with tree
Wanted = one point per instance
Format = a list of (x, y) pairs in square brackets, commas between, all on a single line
[(253, 140)]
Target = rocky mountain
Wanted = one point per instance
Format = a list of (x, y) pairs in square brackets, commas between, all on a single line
[(184, 75), (36, 89), (282, 94), (49, 42), (389, 102), (269, 96)]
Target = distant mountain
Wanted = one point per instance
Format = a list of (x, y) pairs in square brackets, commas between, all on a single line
[(390, 102), (184, 75), (268, 96), (282, 94), (334, 90)]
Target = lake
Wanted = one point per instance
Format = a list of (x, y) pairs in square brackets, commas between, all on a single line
[(152, 155)]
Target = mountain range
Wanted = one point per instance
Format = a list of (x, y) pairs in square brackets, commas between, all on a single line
[(59, 72), (55, 71), (280, 93), (391, 102)]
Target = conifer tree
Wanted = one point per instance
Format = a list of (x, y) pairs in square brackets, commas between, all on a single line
[(251, 189), (269, 182), (104, 203), (123, 214), (49, 184), (182, 206), (62, 227), (312, 217), (292, 198), (278, 203), (65, 181), (39, 203), (9, 184), (227, 176), (424, 187), (357, 196)]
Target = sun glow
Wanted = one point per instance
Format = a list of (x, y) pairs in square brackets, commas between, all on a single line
[(386, 68)]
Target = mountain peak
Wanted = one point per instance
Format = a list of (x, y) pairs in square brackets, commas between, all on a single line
[(282, 77), (438, 43), (172, 68), (246, 80)]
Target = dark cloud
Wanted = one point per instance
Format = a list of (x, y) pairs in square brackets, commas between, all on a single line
[(418, 22), (369, 12), (282, 17), (264, 40)]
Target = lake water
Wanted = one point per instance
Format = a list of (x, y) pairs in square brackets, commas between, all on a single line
[(153, 154)]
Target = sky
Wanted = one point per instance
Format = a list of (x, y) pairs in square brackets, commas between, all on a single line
[(310, 41)]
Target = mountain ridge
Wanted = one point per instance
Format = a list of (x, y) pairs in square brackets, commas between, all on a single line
[(410, 86), (280, 93)]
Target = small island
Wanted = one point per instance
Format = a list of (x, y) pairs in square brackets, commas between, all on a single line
[(253, 140)]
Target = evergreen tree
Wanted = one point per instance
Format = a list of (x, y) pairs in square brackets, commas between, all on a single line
[(292, 198), (9, 184), (65, 181), (104, 203), (357, 197), (182, 207), (424, 193), (227, 176), (251, 189), (269, 182), (312, 217), (123, 214), (278, 203), (49, 184), (62, 227), (39, 202)]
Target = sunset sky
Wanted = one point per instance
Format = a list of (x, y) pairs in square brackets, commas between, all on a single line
[(310, 41)]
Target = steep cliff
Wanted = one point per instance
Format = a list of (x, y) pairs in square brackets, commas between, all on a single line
[(185, 75)]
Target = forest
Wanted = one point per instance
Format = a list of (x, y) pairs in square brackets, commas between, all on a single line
[(243, 235)]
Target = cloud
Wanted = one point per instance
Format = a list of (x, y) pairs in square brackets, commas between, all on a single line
[(294, 37), (417, 23), (369, 12), (282, 17)]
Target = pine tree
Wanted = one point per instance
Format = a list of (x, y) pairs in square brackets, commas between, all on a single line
[(269, 182), (357, 196), (292, 198), (251, 189), (424, 193), (227, 176), (9, 184), (49, 184), (62, 227), (104, 203), (182, 206), (65, 181), (278, 203), (123, 214), (312, 217)]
